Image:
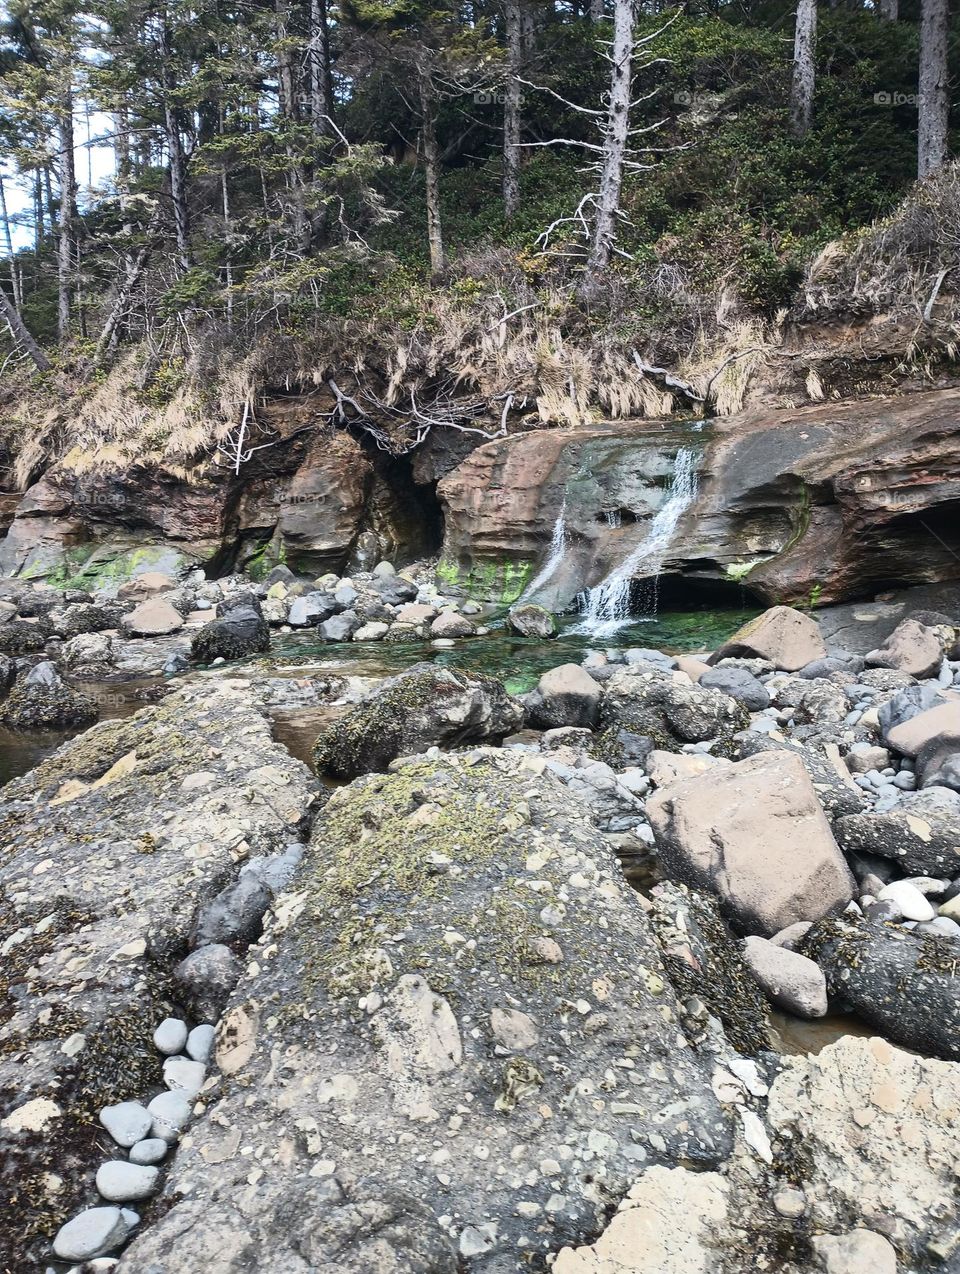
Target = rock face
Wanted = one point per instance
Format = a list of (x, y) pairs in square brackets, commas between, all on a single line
[(109, 847), (832, 500), (754, 834), (784, 637), (423, 707), (458, 1038), (906, 984)]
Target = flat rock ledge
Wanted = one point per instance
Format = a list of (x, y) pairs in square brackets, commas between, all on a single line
[(108, 851), (455, 1048)]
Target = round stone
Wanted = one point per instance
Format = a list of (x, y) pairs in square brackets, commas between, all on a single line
[(170, 1036), (126, 1122), (120, 1182), (90, 1234), (151, 1150), (200, 1043), (909, 899), (170, 1111), (183, 1074)]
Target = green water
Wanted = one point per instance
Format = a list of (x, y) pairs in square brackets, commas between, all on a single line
[(517, 661)]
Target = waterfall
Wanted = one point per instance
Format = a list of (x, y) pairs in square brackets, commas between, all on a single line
[(606, 607), (558, 546)]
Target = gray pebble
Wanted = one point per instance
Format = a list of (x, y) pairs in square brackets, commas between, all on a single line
[(171, 1112), (90, 1234), (182, 1074), (150, 1150), (170, 1036), (119, 1181), (200, 1043), (126, 1122)]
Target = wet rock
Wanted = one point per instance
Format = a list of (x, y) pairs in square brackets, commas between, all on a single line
[(382, 1088), (239, 630), (208, 975), (340, 627), (234, 916), (792, 981), (8, 673), (921, 833), (532, 621), (754, 834), (911, 648), (786, 637), (423, 707), (905, 984), (739, 684), (154, 617), (310, 610), (18, 637), (665, 709), (565, 696), (41, 700), (450, 624)]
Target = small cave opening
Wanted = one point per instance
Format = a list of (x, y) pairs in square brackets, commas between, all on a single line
[(406, 514), (615, 518), (691, 592), (920, 547)]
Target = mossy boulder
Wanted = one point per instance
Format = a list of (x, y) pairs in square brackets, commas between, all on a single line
[(22, 637), (238, 630), (46, 705), (459, 1023), (425, 706)]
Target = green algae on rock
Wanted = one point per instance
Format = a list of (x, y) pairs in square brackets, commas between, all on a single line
[(461, 1006)]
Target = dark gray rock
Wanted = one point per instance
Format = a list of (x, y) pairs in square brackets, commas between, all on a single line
[(340, 627), (310, 610), (905, 705), (938, 762), (41, 700), (239, 630), (21, 637), (920, 834), (907, 985), (850, 664), (208, 975), (739, 684), (652, 703), (394, 590), (565, 696), (532, 621), (235, 916)]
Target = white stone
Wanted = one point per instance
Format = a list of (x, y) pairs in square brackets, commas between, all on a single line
[(200, 1043), (183, 1074), (170, 1111), (150, 1150), (909, 899)]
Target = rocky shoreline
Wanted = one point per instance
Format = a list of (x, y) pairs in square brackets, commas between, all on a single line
[(489, 990)]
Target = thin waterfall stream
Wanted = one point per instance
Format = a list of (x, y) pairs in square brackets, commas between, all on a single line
[(606, 607), (558, 547)]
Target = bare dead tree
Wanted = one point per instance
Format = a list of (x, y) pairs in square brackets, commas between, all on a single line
[(803, 82), (933, 87)]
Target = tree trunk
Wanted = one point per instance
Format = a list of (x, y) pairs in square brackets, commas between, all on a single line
[(614, 147), (321, 79), (8, 244), (511, 109), (889, 10), (431, 160), (934, 96), (107, 339), (21, 335), (804, 68), (68, 198)]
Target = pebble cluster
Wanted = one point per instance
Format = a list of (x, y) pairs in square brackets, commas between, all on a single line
[(146, 1133)]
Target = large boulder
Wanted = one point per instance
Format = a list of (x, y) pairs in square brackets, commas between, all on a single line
[(911, 648), (739, 684), (425, 706), (921, 833), (110, 847), (83, 617), (22, 637), (783, 636), (910, 736), (754, 834), (904, 983), (565, 696), (41, 700), (666, 708), (89, 655), (532, 621), (154, 617), (836, 791), (455, 1043), (239, 630)]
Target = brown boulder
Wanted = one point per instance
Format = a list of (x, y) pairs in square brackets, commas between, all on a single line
[(912, 735), (911, 648), (783, 636), (152, 618), (755, 834)]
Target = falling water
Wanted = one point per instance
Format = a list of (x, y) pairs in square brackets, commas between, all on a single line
[(558, 546), (607, 607)]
